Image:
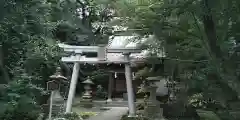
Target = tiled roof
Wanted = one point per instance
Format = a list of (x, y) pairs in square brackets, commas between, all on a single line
[(127, 42)]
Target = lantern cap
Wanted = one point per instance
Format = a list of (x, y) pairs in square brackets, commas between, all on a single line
[(88, 81), (157, 78), (58, 75)]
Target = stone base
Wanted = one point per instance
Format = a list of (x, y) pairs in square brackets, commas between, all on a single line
[(109, 100), (153, 111), (86, 99), (86, 103), (132, 116)]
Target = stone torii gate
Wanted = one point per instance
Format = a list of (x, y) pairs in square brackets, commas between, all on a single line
[(104, 55)]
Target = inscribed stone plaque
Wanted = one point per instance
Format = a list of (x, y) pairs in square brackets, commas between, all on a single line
[(52, 85)]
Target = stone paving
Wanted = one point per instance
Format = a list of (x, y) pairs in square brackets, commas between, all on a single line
[(114, 113)]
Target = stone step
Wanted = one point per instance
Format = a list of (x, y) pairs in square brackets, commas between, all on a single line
[(105, 104), (115, 113), (117, 105)]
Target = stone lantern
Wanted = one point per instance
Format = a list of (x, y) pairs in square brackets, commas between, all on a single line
[(87, 96), (57, 101), (152, 109), (152, 87)]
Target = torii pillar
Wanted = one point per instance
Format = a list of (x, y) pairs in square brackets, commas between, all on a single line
[(73, 85), (130, 93)]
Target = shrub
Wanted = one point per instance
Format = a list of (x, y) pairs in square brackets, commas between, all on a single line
[(17, 103), (72, 116), (100, 92), (86, 115)]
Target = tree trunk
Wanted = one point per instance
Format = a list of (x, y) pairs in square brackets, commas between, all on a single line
[(210, 30), (216, 53), (2, 68)]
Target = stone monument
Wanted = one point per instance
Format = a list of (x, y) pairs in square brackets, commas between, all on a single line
[(57, 103)]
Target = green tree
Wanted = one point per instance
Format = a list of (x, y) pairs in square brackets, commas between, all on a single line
[(200, 39), (29, 33)]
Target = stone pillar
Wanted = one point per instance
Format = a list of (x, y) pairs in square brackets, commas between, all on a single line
[(72, 88), (128, 75), (110, 87)]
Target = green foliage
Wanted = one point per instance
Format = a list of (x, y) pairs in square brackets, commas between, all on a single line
[(100, 92), (29, 33), (41, 60), (200, 40), (76, 116), (86, 115), (72, 116), (17, 102), (197, 101)]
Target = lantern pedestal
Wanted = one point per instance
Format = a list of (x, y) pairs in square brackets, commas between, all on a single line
[(57, 98), (58, 103)]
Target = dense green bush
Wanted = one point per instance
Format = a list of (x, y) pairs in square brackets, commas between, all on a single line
[(29, 36), (17, 103), (100, 92)]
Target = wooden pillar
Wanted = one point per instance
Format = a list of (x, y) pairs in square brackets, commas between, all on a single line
[(110, 87)]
